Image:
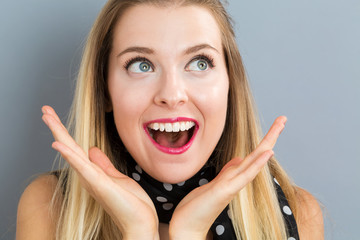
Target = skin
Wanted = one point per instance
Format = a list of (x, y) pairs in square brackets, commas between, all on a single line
[(171, 91), (175, 87)]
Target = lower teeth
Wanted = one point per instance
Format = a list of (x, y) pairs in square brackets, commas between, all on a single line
[(171, 139)]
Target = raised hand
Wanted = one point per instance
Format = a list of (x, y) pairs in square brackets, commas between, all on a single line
[(195, 214), (121, 197)]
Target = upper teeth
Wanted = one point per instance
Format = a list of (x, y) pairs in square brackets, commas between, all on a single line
[(172, 127)]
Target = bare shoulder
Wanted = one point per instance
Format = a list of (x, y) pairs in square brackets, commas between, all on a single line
[(33, 217), (309, 218)]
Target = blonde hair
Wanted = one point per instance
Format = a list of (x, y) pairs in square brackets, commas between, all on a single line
[(255, 210)]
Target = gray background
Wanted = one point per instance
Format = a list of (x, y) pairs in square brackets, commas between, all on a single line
[(302, 59)]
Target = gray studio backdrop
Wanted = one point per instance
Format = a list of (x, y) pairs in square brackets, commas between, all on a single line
[(302, 59)]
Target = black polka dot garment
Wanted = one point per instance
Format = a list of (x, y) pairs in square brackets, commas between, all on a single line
[(167, 196), (291, 225)]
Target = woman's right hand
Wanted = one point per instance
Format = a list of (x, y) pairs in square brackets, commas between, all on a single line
[(122, 198)]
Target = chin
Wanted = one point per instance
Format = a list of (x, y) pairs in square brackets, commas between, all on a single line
[(173, 177), (177, 171)]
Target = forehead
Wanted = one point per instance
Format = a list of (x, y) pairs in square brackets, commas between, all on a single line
[(166, 28)]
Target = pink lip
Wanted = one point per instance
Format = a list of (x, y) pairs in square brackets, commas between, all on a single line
[(172, 120)]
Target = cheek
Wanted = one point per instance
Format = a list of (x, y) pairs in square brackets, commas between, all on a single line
[(127, 111), (212, 99), (128, 102), (127, 97)]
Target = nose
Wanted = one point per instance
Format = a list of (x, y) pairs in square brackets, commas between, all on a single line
[(172, 91)]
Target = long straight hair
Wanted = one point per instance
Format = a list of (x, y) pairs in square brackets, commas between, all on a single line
[(255, 210)]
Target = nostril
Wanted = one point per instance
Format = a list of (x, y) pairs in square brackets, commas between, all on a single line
[(170, 100)]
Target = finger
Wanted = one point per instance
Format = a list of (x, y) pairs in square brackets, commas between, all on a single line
[(101, 160), (237, 165), (235, 162), (271, 137), (252, 170), (61, 134), (49, 110), (82, 166), (268, 142)]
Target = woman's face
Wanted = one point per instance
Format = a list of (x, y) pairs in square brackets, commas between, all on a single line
[(168, 86)]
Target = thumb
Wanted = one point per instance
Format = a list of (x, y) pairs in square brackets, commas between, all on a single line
[(101, 160)]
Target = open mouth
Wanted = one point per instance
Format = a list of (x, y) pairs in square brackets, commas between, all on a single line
[(174, 136)]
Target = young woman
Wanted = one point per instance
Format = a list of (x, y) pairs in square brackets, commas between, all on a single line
[(163, 139)]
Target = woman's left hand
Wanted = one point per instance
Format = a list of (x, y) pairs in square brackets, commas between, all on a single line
[(195, 214)]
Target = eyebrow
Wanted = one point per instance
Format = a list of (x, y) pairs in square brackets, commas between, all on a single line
[(146, 50), (199, 47), (137, 49)]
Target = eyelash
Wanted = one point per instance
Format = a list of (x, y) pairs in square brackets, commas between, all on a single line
[(136, 59), (201, 56), (205, 57)]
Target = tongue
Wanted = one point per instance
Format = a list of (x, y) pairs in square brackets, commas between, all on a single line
[(171, 139)]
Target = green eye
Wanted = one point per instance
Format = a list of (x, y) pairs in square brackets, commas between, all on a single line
[(198, 65), (139, 67), (202, 65), (144, 67)]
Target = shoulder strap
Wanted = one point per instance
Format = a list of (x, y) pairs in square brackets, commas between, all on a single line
[(291, 225)]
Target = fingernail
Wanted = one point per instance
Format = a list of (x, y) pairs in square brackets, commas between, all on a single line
[(285, 120), (43, 110)]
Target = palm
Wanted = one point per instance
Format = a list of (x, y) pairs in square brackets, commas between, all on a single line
[(121, 197), (199, 209)]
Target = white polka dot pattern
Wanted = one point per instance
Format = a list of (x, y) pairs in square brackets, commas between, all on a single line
[(276, 181), (181, 183), (228, 213), (220, 230), (136, 176), (168, 186), (203, 181), (138, 168), (161, 199), (287, 213), (287, 210), (167, 206), (166, 197)]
